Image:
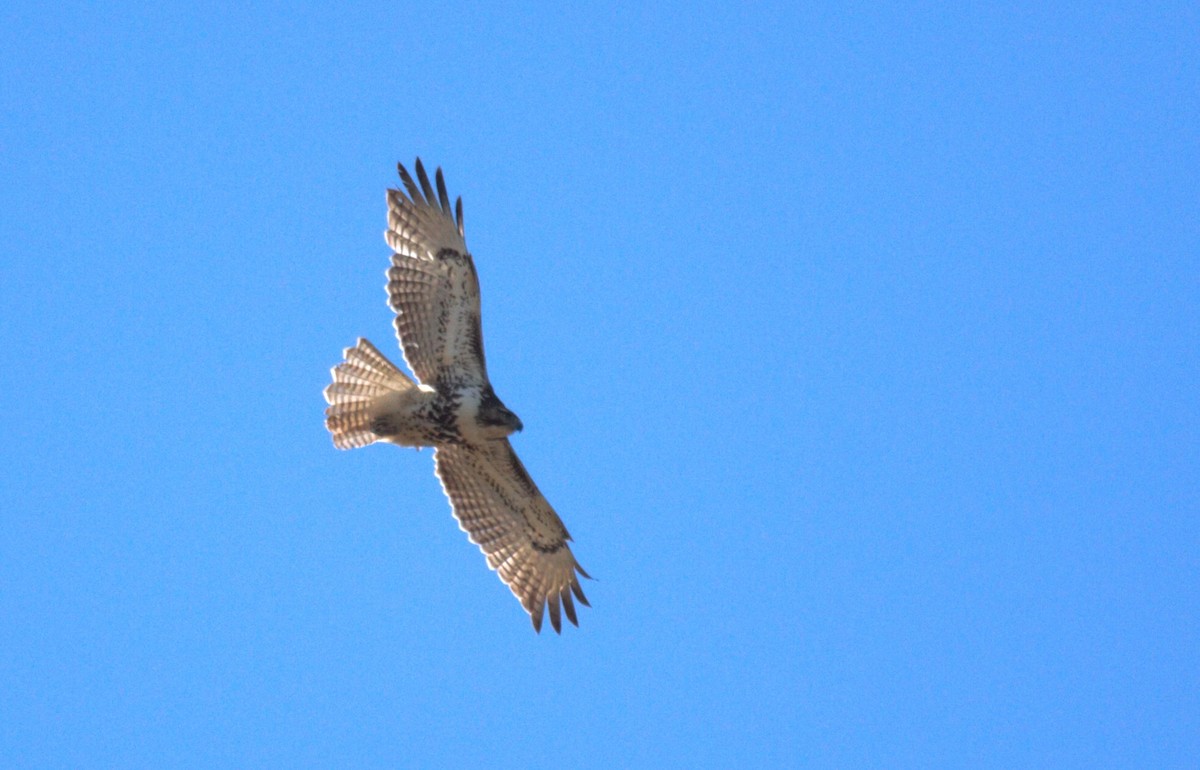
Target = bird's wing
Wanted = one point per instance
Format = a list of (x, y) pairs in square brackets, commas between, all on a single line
[(502, 511), (432, 285)]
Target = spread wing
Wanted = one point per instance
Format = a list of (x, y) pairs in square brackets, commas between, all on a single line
[(432, 285), (502, 511)]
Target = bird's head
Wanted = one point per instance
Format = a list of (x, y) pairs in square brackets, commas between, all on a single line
[(495, 419)]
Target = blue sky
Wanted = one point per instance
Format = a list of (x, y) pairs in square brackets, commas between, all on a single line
[(856, 346)]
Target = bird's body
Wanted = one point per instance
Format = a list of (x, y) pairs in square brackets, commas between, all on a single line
[(434, 290)]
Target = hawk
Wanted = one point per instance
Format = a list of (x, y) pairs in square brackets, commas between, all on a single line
[(434, 291)]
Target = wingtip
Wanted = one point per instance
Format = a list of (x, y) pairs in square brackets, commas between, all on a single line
[(422, 193), (414, 192), (443, 196), (569, 607), (555, 613), (426, 188), (578, 591)]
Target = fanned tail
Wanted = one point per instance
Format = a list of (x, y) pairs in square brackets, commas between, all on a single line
[(358, 382)]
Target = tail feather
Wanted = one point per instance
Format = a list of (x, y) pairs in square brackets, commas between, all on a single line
[(363, 377)]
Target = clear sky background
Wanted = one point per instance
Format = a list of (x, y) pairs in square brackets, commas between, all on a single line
[(857, 347)]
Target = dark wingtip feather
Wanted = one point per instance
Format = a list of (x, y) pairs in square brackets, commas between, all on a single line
[(535, 615), (555, 613), (458, 216), (569, 607), (423, 178), (443, 196), (414, 192), (578, 591)]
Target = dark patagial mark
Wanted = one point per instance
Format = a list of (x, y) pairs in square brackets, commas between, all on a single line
[(475, 340), (521, 475)]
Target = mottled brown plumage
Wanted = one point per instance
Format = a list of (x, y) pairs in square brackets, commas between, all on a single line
[(434, 290)]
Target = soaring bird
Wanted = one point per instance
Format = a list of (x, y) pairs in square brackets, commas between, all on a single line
[(434, 291)]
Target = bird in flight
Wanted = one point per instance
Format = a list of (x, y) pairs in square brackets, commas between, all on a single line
[(434, 291)]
